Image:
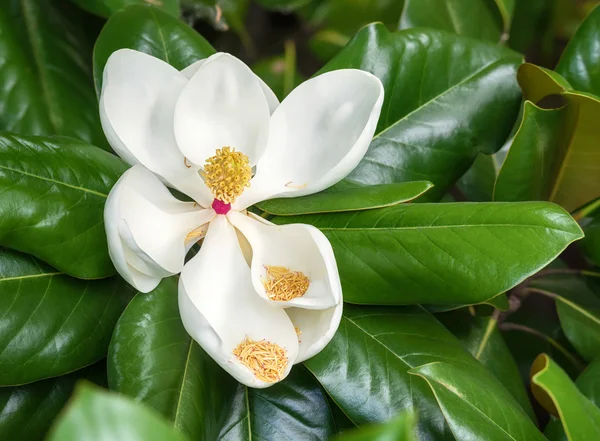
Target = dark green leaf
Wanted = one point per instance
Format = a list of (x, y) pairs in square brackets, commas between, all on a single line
[(434, 121), (591, 242), (530, 21), (349, 16), (52, 201), (280, 75), (97, 415), (477, 184), (558, 394), (152, 31), (481, 337), (347, 197), (400, 428), (448, 253), (53, 324), (481, 19), (526, 174), (26, 412), (580, 61), (283, 5), (106, 8), (154, 360), (473, 405), (46, 72)]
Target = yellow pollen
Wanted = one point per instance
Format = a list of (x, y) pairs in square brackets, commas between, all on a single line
[(266, 360), (227, 174), (282, 284)]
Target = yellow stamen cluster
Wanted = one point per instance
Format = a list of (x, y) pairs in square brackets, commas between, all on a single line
[(227, 174), (266, 360), (282, 284)]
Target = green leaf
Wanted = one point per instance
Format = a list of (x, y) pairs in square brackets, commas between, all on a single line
[(349, 16), (481, 19), (53, 324), (283, 5), (481, 337), (556, 392), (280, 72), (106, 8), (450, 253), (26, 412), (473, 406), (530, 22), (152, 31), (400, 428), (347, 197), (526, 174), (326, 43), (46, 72), (477, 184), (52, 202), (433, 122), (591, 242), (575, 178), (580, 62), (154, 360), (578, 310), (97, 415)]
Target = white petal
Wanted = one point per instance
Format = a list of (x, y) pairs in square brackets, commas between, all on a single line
[(219, 307), (272, 100), (222, 105), (298, 247), (137, 106), (147, 227), (317, 136), (317, 328)]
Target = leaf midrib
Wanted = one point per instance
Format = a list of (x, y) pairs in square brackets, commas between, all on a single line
[(433, 227)]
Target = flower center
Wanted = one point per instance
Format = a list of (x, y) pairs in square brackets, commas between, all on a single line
[(266, 360), (227, 174), (281, 284)]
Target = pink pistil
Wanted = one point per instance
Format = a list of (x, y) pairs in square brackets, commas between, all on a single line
[(221, 207)]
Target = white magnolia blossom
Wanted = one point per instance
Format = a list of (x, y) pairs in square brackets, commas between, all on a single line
[(217, 133)]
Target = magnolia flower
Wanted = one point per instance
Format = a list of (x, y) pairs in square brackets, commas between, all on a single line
[(257, 297)]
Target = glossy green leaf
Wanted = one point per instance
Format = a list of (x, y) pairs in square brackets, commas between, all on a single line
[(580, 61), (477, 184), (347, 197), (152, 31), (558, 394), (474, 406), (26, 412), (52, 201), (52, 324), (434, 121), (400, 428), (576, 177), (349, 16), (591, 242), (526, 174), (530, 21), (451, 253), (578, 310), (46, 73), (106, 8), (365, 368), (97, 415), (283, 5), (481, 19), (481, 337), (154, 360)]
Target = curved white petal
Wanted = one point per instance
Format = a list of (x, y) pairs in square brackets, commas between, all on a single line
[(221, 105), (317, 135), (316, 328), (146, 228), (219, 307), (137, 106), (298, 247), (272, 100)]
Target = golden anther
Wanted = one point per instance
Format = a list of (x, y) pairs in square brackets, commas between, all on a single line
[(227, 174), (266, 360), (185, 163), (282, 284), (295, 186)]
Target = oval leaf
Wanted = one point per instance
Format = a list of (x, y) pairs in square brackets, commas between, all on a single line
[(47, 84), (53, 324), (97, 415), (52, 203), (152, 31), (442, 253), (347, 197), (400, 428), (433, 122)]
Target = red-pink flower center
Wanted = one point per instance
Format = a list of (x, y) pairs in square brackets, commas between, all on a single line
[(221, 207)]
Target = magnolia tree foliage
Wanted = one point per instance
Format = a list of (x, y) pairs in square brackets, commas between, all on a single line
[(227, 220)]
